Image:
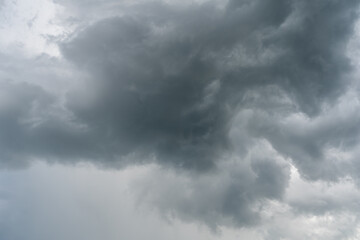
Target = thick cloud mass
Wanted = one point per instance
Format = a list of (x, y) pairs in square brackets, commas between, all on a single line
[(30, 129), (232, 196), (225, 96), (168, 82)]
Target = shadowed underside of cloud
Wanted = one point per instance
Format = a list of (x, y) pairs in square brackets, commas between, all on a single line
[(232, 196), (192, 87), (168, 82)]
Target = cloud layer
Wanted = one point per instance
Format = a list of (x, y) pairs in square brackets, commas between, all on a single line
[(225, 98)]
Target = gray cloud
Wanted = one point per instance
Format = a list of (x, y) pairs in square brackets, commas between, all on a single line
[(192, 88), (168, 81), (232, 195), (57, 202)]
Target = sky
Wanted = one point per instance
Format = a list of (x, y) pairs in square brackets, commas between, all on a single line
[(169, 119)]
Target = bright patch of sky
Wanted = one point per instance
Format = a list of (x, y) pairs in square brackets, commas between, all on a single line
[(30, 27)]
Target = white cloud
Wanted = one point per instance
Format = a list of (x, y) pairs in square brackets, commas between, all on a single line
[(27, 27)]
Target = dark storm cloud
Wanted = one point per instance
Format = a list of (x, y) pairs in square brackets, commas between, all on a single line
[(17, 101), (191, 87), (29, 129), (230, 196), (167, 81)]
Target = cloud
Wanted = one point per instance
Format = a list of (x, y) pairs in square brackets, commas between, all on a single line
[(84, 202), (230, 196), (27, 29), (222, 99), (58, 202), (168, 82)]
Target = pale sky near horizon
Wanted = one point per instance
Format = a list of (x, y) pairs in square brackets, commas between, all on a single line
[(168, 119)]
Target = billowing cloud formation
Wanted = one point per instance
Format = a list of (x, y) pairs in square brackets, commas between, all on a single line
[(231, 196), (226, 96), (168, 82)]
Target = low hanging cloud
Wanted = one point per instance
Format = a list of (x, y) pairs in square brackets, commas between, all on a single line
[(225, 97), (231, 196), (168, 82)]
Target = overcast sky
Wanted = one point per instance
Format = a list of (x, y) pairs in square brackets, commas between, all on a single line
[(179, 119)]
